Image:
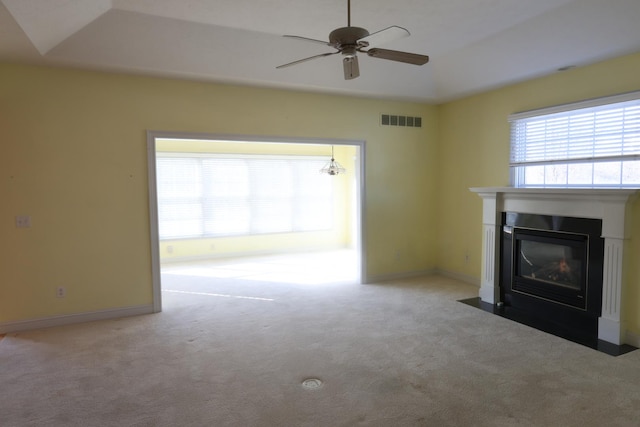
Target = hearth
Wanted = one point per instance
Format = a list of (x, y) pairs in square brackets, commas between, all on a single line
[(551, 270)]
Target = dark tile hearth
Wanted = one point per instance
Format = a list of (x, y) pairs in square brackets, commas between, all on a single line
[(549, 327)]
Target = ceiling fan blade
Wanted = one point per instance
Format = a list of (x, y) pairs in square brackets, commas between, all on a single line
[(385, 36), (308, 39), (307, 59), (351, 68), (394, 55)]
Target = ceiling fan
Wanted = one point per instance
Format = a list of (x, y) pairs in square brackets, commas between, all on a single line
[(350, 40)]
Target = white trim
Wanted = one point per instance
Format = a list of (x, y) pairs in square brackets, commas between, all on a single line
[(187, 136), (594, 102), (361, 244), (490, 263), (153, 197), (154, 232), (68, 319)]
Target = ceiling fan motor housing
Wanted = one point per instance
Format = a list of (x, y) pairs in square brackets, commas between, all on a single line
[(347, 37)]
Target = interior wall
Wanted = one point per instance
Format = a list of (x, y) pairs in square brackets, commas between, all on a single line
[(74, 159), (339, 236), (474, 152)]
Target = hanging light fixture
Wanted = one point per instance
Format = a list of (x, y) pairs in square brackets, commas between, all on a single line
[(333, 167)]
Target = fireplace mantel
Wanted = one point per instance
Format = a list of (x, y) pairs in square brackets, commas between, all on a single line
[(609, 205)]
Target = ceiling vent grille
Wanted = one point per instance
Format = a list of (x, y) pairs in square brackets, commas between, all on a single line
[(402, 121)]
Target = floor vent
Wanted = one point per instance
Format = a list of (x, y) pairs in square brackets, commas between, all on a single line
[(402, 121), (312, 383)]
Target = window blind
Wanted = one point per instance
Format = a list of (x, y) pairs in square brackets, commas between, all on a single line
[(213, 196), (589, 144)]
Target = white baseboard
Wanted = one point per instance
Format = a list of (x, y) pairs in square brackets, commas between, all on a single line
[(67, 319)]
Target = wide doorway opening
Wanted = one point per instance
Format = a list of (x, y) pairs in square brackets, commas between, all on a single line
[(254, 209)]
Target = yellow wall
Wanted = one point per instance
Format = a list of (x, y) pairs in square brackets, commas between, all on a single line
[(474, 152), (73, 156), (339, 236)]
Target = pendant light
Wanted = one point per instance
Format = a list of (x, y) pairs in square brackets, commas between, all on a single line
[(333, 167)]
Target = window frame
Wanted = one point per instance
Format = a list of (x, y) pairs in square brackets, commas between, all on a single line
[(597, 107)]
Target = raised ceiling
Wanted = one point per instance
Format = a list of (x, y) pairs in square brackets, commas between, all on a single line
[(474, 45)]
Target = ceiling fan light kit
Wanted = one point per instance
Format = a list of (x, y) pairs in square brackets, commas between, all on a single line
[(349, 40)]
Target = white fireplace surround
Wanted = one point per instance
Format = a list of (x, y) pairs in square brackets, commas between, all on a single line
[(609, 205)]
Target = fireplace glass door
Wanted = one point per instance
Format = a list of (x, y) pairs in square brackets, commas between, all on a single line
[(550, 265)]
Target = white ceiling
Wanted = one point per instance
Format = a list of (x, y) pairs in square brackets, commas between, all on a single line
[(474, 45)]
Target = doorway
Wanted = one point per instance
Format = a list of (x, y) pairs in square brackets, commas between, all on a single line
[(280, 246)]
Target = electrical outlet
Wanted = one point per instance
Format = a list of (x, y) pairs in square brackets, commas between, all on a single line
[(23, 221), (61, 292)]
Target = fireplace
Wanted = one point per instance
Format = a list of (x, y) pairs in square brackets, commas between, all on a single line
[(551, 270), (563, 250)]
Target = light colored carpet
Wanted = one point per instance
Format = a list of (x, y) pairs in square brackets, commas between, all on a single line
[(404, 353)]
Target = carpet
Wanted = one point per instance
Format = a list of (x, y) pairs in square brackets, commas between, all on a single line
[(236, 353)]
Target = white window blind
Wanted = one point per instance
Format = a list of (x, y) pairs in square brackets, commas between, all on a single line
[(213, 196), (590, 144)]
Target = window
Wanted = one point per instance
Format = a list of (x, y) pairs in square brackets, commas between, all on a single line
[(588, 144), (217, 195)]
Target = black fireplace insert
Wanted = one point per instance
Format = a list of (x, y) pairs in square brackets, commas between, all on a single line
[(551, 269)]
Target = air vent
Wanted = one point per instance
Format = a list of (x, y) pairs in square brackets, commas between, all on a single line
[(402, 121)]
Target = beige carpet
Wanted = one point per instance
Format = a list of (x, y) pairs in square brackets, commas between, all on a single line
[(235, 353)]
